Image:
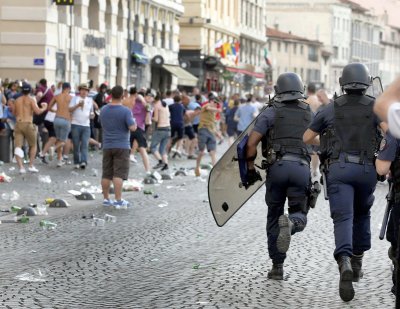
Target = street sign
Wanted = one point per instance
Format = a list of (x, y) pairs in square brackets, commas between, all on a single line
[(64, 2), (38, 61)]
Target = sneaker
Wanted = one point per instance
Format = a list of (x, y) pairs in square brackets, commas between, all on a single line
[(60, 163), (107, 202), (165, 167), (33, 169), (197, 171), (83, 165), (132, 158), (77, 167), (285, 233), (191, 157), (43, 158), (122, 204), (22, 171), (100, 146), (65, 158), (159, 165)]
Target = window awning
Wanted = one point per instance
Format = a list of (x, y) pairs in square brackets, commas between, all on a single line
[(184, 77), (254, 74)]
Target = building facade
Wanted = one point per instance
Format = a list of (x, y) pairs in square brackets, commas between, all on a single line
[(291, 53), (115, 41), (222, 42)]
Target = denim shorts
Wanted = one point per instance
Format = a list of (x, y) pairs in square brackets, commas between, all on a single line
[(62, 127), (206, 139), (161, 138)]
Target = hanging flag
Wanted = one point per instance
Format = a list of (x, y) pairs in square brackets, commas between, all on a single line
[(267, 60), (227, 49), (218, 48), (237, 50)]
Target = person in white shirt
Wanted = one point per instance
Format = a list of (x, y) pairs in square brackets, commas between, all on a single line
[(81, 108), (387, 107)]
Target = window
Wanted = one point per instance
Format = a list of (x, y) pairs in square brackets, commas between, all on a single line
[(146, 31), (301, 49), (312, 54), (295, 48), (171, 38), (136, 28), (279, 46), (335, 52), (302, 73), (269, 45), (286, 47), (163, 36), (154, 33)]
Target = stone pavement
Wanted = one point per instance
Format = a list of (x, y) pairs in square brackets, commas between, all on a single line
[(173, 256)]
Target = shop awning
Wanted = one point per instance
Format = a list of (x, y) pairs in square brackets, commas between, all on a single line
[(184, 77), (254, 74)]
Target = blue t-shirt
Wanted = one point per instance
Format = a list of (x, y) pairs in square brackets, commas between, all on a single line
[(245, 113), (177, 111), (116, 120), (193, 106), (388, 148)]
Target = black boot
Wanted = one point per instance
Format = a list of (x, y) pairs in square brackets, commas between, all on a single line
[(346, 290), (276, 273), (356, 265), (285, 232)]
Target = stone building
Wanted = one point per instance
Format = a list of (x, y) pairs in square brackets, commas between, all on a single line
[(292, 53)]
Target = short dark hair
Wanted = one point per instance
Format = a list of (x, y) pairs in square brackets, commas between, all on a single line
[(43, 82), (177, 98), (117, 92), (132, 90), (198, 97), (168, 93), (311, 88)]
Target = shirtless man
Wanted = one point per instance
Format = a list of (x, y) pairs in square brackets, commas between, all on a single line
[(315, 104), (24, 108), (129, 102), (62, 122)]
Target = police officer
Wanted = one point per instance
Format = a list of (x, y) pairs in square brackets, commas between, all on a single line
[(348, 133), (280, 127), (389, 160)]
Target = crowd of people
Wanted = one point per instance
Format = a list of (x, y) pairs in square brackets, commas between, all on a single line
[(46, 119)]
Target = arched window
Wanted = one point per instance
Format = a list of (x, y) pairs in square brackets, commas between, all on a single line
[(93, 14)]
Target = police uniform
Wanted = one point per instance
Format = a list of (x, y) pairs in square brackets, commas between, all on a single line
[(282, 126), (348, 134), (390, 151)]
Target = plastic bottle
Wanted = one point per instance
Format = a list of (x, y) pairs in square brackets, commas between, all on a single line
[(110, 218), (23, 219), (41, 210), (47, 225), (15, 208), (98, 222)]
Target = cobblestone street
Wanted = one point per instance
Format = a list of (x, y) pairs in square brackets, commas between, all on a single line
[(171, 256)]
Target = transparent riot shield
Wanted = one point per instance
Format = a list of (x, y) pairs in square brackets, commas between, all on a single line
[(376, 89)]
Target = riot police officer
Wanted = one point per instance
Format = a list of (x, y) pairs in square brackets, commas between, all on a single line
[(280, 127), (348, 135), (389, 160)]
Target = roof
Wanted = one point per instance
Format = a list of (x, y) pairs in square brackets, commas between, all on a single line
[(287, 36), (381, 7), (355, 6)]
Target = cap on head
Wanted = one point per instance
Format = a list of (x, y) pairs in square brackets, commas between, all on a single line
[(355, 76), (83, 87), (289, 87), (26, 88)]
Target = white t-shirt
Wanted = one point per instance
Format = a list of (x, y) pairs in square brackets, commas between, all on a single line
[(50, 116), (394, 119), (81, 116), (169, 101)]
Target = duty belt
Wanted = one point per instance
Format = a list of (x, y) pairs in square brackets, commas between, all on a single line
[(348, 158), (293, 158)]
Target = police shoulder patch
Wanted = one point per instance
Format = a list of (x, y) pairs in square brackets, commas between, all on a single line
[(383, 144)]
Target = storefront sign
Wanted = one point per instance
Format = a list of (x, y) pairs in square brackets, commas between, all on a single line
[(38, 61), (92, 41)]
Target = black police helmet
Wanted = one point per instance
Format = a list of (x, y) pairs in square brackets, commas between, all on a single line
[(355, 76), (289, 87)]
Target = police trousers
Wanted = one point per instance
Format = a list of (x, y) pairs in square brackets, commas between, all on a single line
[(291, 180), (350, 189)]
